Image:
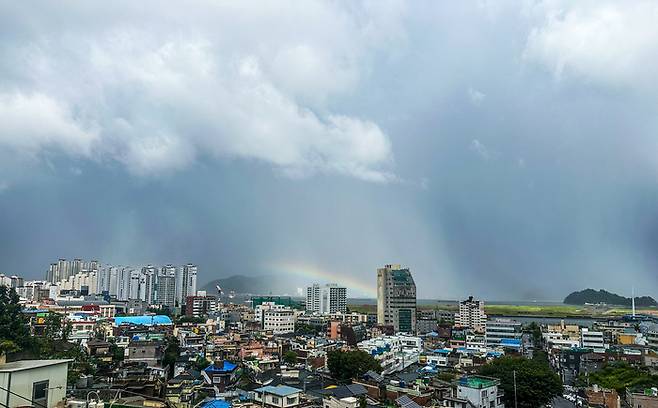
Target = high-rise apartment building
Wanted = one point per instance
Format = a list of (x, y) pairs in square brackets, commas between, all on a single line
[(186, 283), (396, 298), (63, 269), (150, 273), (329, 298), (471, 314), (166, 286)]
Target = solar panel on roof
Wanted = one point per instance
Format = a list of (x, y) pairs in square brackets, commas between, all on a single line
[(406, 402), (374, 376)]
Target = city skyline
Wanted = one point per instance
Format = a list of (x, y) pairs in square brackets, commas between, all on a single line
[(478, 143)]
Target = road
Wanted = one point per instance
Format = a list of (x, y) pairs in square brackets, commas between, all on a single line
[(560, 402)]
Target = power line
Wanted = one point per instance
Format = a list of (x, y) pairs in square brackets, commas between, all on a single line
[(25, 398)]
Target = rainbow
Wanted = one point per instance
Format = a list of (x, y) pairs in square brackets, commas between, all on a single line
[(316, 274)]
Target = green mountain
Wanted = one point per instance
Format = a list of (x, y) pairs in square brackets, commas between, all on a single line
[(603, 296)]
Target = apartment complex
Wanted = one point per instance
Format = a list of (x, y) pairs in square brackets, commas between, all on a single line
[(325, 299), (277, 318), (63, 269), (471, 314), (201, 304), (396, 298)]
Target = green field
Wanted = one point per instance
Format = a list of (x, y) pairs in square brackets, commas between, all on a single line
[(526, 310)]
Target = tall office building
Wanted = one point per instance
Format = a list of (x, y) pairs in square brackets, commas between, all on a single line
[(396, 298), (471, 314), (329, 298), (186, 283), (166, 286)]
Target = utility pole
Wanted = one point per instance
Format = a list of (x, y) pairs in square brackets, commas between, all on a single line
[(515, 403)]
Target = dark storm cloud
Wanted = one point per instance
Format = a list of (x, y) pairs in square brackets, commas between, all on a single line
[(480, 144)]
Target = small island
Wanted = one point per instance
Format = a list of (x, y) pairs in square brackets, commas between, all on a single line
[(591, 296)]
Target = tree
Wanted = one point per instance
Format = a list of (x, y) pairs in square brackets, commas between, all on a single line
[(290, 357), (200, 363), (619, 376), (536, 383), (345, 365), (171, 353), (14, 330), (118, 353), (307, 329), (55, 328), (535, 332)]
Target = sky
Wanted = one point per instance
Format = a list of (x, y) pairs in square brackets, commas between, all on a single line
[(507, 150)]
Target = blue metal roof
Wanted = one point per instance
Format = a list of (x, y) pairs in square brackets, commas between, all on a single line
[(145, 320), (279, 390), (216, 404), (226, 368)]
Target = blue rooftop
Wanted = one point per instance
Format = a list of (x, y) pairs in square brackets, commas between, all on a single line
[(226, 368), (143, 320), (216, 404), (279, 390), (510, 342)]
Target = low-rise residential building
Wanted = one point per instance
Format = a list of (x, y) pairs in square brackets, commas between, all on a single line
[(183, 388), (394, 353), (220, 374), (39, 383), (480, 391), (642, 398), (344, 396), (149, 352), (596, 396), (280, 396)]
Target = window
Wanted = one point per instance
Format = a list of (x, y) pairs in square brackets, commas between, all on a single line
[(275, 400), (291, 400), (40, 393)]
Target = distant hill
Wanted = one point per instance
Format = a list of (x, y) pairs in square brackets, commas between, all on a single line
[(258, 285), (603, 296)]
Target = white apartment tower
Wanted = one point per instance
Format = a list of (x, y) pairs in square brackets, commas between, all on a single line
[(166, 286), (150, 273), (186, 283), (62, 270), (396, 298), (329, 298), (471, 314)]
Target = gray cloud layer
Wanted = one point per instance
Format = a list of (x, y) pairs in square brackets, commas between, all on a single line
[(501, 149)]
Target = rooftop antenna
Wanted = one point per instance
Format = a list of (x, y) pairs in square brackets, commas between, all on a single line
[(633, 299)]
